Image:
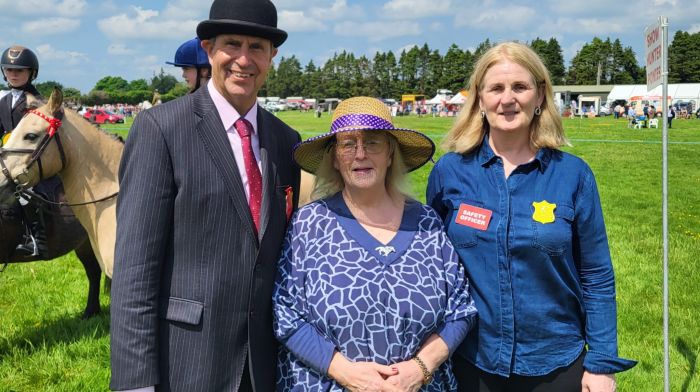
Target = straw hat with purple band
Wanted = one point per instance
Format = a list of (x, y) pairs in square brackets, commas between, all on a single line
[(257, 18), (365, 114)]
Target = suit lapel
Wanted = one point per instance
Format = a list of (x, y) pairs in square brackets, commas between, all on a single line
[(268, 157), (213, 135), (6, 113)]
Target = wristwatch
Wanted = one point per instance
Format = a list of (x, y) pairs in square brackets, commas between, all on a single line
[(427, 376)]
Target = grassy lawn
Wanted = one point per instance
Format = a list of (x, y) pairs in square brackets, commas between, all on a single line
[(44, 346)]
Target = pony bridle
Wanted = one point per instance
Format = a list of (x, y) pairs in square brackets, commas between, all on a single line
[(51, 133)]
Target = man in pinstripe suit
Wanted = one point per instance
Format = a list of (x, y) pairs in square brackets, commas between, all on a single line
[(201, 216)]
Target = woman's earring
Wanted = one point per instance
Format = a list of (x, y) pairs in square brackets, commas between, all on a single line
[(483, 114), (538, 111)]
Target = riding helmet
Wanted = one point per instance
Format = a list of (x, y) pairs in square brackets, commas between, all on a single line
[(20, 57)]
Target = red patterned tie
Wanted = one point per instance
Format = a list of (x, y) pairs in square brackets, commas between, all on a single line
[(244, 128)]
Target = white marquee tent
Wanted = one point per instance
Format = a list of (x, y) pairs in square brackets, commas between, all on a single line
[(682, 92), (441, 97), (458, 99)]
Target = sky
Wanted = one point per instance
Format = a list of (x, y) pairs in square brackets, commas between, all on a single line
[(78, 42)]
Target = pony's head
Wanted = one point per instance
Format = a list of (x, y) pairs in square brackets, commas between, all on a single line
[(28, 154)]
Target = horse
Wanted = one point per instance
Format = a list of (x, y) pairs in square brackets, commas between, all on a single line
[(64, 233), (51, 140), (85, 158)]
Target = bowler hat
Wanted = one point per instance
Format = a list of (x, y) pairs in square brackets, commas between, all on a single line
[(365, 114), (257, 18)]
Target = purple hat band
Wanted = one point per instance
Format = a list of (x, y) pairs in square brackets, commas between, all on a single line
[(360, 120)]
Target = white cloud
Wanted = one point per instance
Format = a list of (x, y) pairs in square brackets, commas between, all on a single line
[(43, 7), (296, 4), (414, 9), (50, 26), (119, 50), (601, 28), (436, 27), (378, 31), (187, 9), (46, 52), (70, 7), (315, 18), (509, 18), (338, 10), (295, 21), (146, 24), (405, 48), (694, 29)]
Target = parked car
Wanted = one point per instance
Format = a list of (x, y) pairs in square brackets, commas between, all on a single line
[(604, 111), (100, 116), (275, 106)]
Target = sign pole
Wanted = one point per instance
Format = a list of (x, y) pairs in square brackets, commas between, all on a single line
[(663, 21), (656, 42)]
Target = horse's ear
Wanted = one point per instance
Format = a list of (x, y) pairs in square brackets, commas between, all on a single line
[(55, 104), (32, 101)]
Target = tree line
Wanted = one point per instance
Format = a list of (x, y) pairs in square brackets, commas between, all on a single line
[(418, 70)]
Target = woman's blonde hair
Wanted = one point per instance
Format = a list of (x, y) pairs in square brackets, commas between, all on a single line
[(329, 181), (469, 128)]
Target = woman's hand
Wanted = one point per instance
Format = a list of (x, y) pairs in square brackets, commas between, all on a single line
[(361, 376), (597, 382), (409, 377)]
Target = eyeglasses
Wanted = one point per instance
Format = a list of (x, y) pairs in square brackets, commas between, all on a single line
[(349, 147)]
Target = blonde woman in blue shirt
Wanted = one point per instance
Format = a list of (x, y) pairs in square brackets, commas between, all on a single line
[(526, 220)]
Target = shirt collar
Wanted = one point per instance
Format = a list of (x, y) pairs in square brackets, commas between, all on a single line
[(16, 92), (487, 156), (228, 113)]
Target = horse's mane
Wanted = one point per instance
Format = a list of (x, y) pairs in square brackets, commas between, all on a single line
[(38, 102), (114, 136)]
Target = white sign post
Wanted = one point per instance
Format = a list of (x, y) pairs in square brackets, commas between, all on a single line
[(656, 40)]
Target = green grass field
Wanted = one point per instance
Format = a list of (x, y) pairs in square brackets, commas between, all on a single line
[(44, 346)]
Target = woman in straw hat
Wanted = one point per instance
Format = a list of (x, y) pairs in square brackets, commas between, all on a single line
[(530, 230), (370, 295)]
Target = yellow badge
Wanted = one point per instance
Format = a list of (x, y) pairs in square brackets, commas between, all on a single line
[(544, 211)]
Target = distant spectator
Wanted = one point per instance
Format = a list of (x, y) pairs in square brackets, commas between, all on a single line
[(617, 111), (573, 108), (670, 115)]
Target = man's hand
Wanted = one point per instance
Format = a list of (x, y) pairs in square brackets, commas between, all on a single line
[(598, 382)]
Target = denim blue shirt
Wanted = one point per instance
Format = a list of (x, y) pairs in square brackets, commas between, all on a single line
[(540, 267)]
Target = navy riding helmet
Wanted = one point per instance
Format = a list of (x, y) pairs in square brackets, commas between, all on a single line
[(191, 54)]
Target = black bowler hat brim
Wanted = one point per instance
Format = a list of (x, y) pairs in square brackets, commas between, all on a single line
[(213, 27)]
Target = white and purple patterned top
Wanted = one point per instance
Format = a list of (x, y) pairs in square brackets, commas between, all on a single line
[(338, 288)]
